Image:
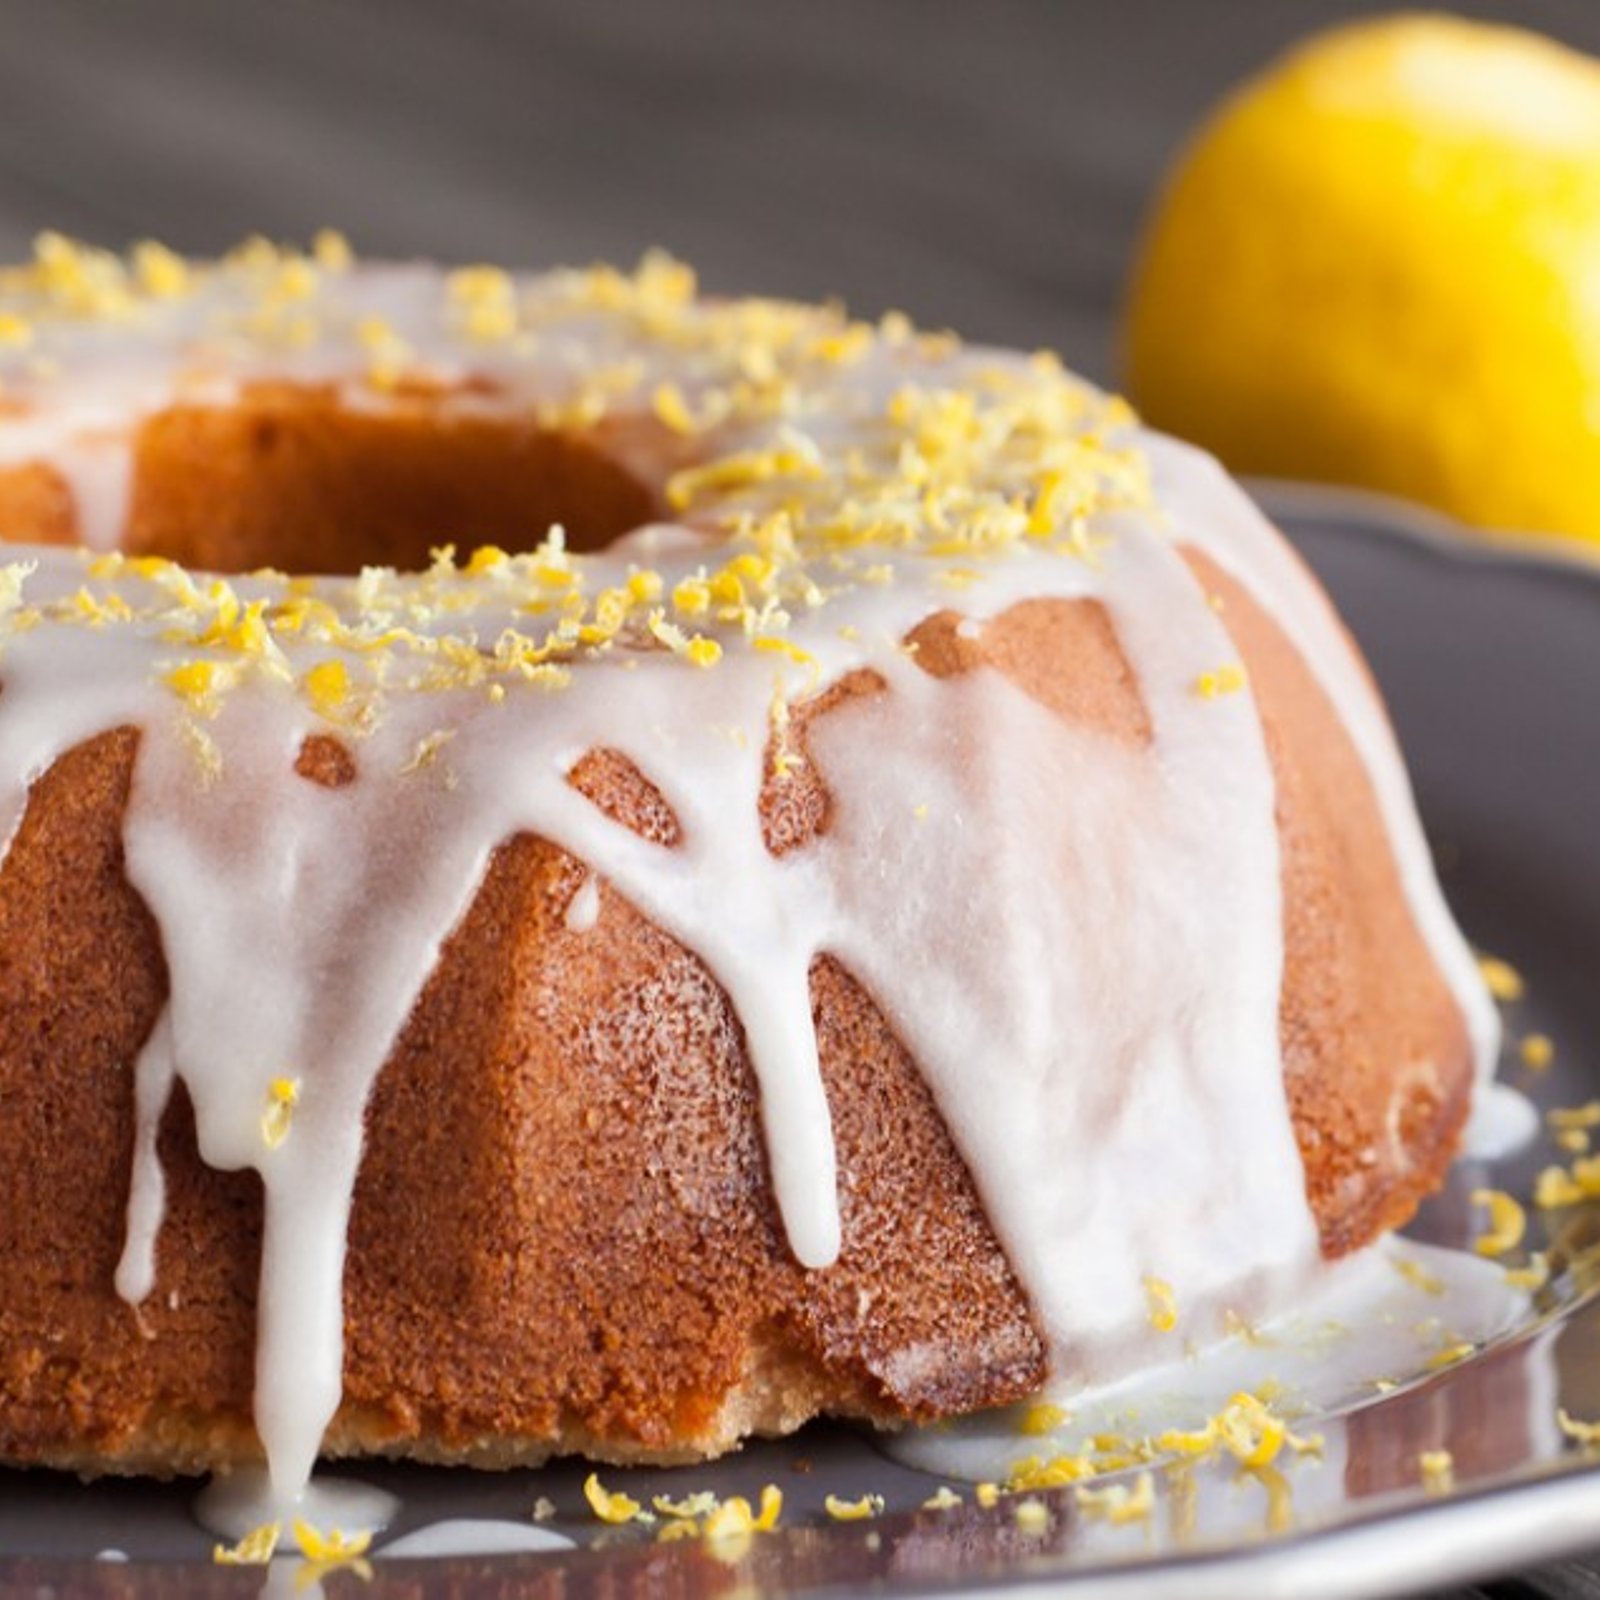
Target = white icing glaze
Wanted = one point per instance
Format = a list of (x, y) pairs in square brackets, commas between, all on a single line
[(1210, 511), (234, 1504), (1503, 1121), (1366, 1323), (1129, 1027), (473, 1536), (584, 910)]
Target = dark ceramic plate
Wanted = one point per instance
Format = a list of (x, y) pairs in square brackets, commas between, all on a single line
[(1490, 657)]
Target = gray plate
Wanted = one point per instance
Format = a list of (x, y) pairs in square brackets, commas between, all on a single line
[(1490, 658)]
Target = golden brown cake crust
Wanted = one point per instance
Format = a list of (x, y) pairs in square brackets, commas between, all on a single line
[(564, 1236)]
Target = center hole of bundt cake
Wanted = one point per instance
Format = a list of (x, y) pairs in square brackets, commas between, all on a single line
[(292, 479)]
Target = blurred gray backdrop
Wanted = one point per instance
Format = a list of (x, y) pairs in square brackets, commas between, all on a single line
[(982, 164)]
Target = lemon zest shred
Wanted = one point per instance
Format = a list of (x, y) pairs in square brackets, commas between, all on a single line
[(862, 1510), (255, 1549), (1042, 1417), (283, 1096), (1507, 1222), (1537, 1051), (1586, 1434), (1161, 1303), (1502, 980), (1118, 1503), (616, 1508), (1437, 1471), (331, 1546)]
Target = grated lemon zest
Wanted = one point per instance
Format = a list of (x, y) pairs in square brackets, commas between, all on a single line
[(862, 1510), (1507, 1222), (615, 1508), (1437, 1470), (255, 1549), (1501, 979)]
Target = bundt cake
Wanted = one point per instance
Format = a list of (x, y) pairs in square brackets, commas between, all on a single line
[(781, 866)]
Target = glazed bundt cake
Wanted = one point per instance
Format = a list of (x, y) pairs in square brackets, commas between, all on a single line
[(801, 868)]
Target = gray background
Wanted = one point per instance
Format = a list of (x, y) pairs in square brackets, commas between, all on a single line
[(982, 164)]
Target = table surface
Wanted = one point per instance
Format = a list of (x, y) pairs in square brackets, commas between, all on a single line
[(981, 166)]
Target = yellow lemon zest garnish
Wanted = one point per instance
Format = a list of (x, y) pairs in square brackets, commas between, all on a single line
[(1417, 1275), (1031, 1516), (1554, 1188), (387, 352), (1116, 1502), (1161, 1304), (692, 597), (331, 251), (1438, 1471), (255, 1549), (730, 1521), (1247, 1429), (1501, 979), (771, 1508), (1187, 1441), (13, 577), (614, 1508), (868, 1506), (672, 409), (283, 1095), (1227, 679), (1042, 1417), (1537, 1051), (332, 1547), (1584, 1116), (1533, 1276), (1507, 1222), (200, 682), (1032, 1472), (1585, 1433), (700, 1504), (1250, 1432), (328, 686), (163, 274)]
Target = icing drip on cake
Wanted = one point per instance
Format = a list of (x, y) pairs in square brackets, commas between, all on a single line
[(809, 461)]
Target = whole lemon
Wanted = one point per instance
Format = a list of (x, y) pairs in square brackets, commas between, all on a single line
[(1379, 264)]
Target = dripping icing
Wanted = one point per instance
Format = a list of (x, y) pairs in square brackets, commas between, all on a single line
[(1035, 1000)]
